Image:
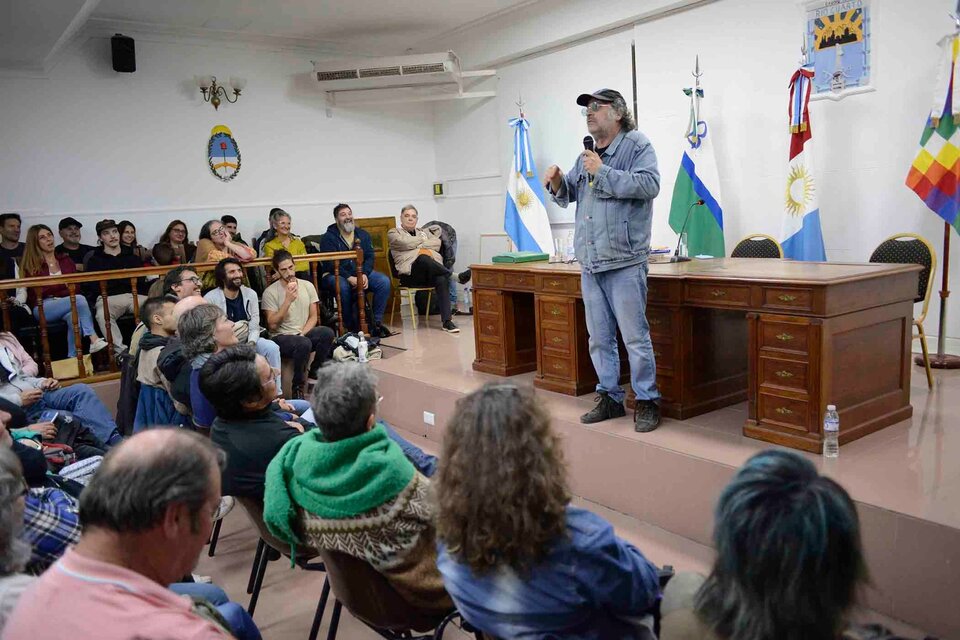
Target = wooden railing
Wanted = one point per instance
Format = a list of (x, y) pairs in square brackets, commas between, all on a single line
[(8, 288)]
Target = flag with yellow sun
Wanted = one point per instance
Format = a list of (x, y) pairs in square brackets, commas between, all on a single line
[(801, 236)]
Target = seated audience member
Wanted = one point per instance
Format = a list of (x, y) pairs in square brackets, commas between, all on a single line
[(348, 487), (416, 254), (242, 306), (146, 516), (19, 384), (69, 229), (162, 256), (789, 559), (341, 236), (182, 281), (177, 237), (280, 221), (112, 256), (173, 365), (40, 259), (155, 405), (291, 306), (203, 331), (242, 387), (269, 233), (14, 552), (230, 223), (215, 244), (10, 245), (518, 559), (20, 314), (128, 238)]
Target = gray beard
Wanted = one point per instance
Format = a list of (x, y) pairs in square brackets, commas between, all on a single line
[(348, 227)]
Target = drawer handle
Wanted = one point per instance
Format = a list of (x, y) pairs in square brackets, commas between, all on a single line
[(554, 311), (557, 339), (785, 297), (784, 411), (718, 293), (655, 322), (557, 366), (783, 374), (490, 328), (555, 283), (656, 354), (784, 337)]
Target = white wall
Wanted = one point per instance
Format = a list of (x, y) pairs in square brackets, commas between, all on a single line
[(749, 48), (92, 143)]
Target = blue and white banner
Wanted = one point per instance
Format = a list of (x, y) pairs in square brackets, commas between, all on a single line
[(525, 216)]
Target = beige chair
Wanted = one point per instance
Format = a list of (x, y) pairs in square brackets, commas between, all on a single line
[(757, 245), (910, 248), (410, 292)]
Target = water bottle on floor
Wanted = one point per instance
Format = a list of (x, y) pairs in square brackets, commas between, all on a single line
[(362, 349), (831, 432)]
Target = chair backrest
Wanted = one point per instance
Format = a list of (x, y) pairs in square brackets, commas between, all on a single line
[(254, 510), (909, 248), (370, 597), (757, 246), (394, 275)]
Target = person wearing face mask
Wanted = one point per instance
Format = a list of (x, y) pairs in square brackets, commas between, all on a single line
[(341, 236), (111, 255), (416, 253), (614, 187)]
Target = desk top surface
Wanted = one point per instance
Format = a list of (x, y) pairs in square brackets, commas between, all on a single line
[(745, 269)]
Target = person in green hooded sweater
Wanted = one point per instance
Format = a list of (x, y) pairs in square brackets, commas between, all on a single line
[(347, 486)]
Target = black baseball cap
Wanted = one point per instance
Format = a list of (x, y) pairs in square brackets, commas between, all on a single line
[(103, 225), (603, 95), (69, 222)]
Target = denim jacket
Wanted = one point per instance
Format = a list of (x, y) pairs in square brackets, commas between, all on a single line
[(614, 215)]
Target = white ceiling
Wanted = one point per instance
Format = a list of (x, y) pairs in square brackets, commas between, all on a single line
[(32, 31)]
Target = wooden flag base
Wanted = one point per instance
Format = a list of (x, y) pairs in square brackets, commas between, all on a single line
[(946, 361)]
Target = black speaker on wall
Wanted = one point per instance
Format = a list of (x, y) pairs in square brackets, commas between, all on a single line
[(124, 54)]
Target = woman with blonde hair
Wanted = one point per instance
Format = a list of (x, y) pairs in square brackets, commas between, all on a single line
[(40, 259), (517, 558)]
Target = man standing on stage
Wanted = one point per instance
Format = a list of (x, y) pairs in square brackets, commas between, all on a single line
[(614, 187)]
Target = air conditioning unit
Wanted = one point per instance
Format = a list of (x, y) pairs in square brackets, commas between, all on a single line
[(397, 71)]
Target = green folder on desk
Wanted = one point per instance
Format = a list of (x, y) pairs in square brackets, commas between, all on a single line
[(520, 256)]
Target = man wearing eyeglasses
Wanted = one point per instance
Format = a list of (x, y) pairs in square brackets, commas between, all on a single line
[(614, 187)]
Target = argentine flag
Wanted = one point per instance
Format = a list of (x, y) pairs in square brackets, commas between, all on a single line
[(525, 217), (801, 236)]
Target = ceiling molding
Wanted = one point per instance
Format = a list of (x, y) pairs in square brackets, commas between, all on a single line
[(73, 29)]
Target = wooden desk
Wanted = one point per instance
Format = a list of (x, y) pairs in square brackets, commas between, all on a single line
[(789, 337)]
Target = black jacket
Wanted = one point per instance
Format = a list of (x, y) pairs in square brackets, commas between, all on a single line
[(332, 241), (101, 261), (176, 369)]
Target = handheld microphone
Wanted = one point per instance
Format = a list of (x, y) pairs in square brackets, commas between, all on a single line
[(676, 254), (588, 146)]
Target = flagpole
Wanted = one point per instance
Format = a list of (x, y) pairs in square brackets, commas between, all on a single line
[(943, 360)]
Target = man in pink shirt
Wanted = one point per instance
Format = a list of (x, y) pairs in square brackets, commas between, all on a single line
[(146, 514)]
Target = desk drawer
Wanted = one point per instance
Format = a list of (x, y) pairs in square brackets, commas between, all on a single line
[(787, 412), (488, 327), (555, 311), (663, 354), (719, 294), (785, 374), (557, 367), (555, 339), (488, 279), (660, 320), (488, 301), (785, 336), (519, 280), (788, 299), (666, 385), (558, 284), (492, 352)]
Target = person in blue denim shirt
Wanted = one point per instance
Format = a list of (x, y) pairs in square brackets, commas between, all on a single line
[(517, 558), (614, 187)]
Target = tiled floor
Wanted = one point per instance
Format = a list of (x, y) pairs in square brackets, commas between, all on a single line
[(905, 468)]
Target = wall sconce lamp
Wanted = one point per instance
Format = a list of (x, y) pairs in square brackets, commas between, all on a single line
[(212, 92)]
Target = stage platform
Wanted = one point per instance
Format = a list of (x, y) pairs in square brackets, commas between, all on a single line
[(661, 487)]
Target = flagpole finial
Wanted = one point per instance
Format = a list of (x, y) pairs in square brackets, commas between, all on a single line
[(519, 103), (804, 52), (955, 16)]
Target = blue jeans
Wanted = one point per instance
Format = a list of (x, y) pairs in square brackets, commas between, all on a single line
[(423, 461), (453, 290), (81, 401), (612, 299), (379, 284), (240, 622), (56, 309)]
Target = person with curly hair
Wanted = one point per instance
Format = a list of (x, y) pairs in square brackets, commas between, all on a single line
[(517, 558)]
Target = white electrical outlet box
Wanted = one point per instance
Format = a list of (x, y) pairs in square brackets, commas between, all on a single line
[(428, 418)]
